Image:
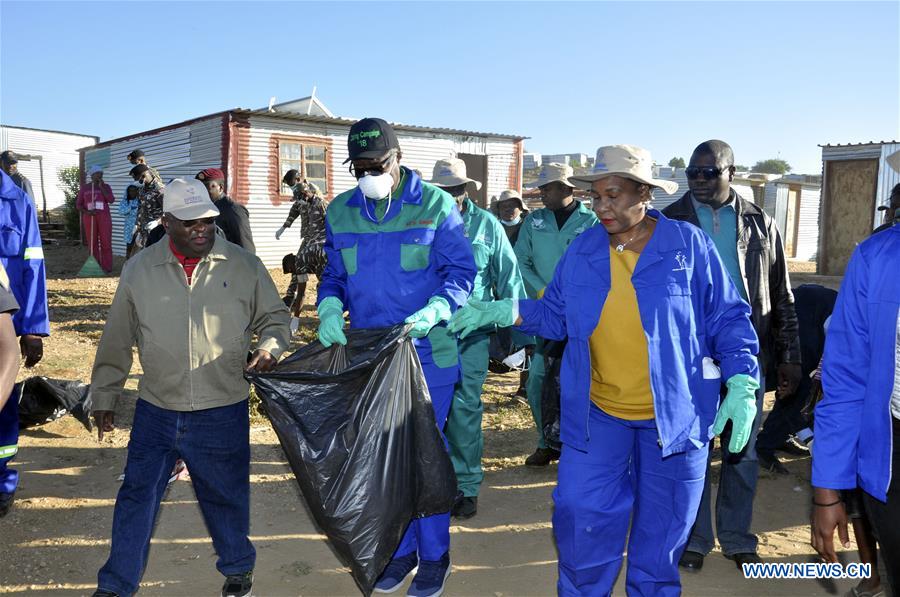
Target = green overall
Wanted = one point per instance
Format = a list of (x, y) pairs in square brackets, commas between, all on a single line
[(498, 277)]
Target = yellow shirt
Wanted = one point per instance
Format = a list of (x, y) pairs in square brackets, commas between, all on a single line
[(620, 373)]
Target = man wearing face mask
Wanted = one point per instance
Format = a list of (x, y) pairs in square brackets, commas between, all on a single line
[(544, 237), (397, 252), (511, 210), (498, 277)]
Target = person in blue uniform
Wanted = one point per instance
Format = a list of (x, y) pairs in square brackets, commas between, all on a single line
[(654, 323), (22, 254), (397, 252), (857, 422)]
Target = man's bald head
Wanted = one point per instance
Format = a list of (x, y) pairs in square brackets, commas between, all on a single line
[(719, 149)]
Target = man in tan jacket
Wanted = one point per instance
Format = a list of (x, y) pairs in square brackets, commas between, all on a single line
[(191, 304)]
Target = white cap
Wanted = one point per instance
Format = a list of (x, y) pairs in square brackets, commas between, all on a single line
[(188, 200)]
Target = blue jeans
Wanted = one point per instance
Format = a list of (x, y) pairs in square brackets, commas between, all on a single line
[(622, 479), (9, 440), (734, 500), (215, 445), (430, 536)]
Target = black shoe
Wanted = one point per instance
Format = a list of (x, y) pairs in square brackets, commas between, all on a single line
[(769, 462), (794, 447), (542, 457), (465, 507), (104, 593), (6, 502), (691, 560), (740, 559), (238, 585)]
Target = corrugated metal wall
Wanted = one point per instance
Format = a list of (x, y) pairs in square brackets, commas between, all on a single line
[(420, 151), (887, 176), (808, 228), (177, 152), (59, 150)]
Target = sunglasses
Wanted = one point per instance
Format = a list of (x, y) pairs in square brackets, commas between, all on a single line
[(379, 168), (192, 223), (708, 172)]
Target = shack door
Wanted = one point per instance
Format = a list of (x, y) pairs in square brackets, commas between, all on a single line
[(477, 169), (849, 209)]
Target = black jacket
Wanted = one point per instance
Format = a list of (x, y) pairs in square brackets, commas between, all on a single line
[(234, 220), (764, 269)]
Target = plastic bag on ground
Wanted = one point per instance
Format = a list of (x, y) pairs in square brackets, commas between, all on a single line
[(43, 400), (358, 429)]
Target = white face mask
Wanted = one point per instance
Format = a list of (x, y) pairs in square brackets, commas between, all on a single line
[(376, 187), (511, 222)]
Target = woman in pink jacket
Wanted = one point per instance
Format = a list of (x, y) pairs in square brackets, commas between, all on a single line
[(96, 224)]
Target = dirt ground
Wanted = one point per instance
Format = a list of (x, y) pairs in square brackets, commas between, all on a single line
[(57, 535)]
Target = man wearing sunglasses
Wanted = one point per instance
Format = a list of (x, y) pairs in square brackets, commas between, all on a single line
[(397, 252), (191, 303), (752, 252)]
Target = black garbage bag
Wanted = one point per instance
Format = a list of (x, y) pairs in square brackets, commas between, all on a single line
[(43, 400), (358, 429), (550, 392)]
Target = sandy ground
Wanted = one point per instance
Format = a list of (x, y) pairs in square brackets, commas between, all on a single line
[(57, 536)]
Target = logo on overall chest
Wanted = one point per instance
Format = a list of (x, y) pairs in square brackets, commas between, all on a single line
[(680, 262), (538, 223)]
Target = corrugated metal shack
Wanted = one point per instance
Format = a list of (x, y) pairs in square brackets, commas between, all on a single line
[(856, 179), (41, 155), (256, 147), (793, 202)]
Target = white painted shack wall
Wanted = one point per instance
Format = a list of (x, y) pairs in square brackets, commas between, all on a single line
[(808, 228), (420, 151), (177, 152), (887, 178), (58, 150)]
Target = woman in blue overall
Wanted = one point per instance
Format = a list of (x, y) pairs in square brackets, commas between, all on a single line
[(397, 252), (654, 322)]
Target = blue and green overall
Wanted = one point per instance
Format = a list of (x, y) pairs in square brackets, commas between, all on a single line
[(386, 260), (498, 277), (22, 255)]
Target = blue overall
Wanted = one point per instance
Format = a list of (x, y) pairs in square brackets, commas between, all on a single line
[(22, 255), (385, 270), (698, 332), (853, 421)]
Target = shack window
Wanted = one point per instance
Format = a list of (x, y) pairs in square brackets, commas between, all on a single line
[(309, 159)]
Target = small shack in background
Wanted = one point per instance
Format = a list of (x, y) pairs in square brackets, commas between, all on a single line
[(256, 147), (856, 180), (41, 155)]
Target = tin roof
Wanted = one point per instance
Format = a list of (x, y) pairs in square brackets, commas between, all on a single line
[(349, 122), (858, 144)]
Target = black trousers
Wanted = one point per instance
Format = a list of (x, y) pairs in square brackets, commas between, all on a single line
[(885, 519)]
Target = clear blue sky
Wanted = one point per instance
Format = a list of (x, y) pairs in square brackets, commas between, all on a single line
[(771, 78)]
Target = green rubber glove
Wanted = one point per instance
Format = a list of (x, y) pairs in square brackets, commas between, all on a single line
[(437, 310), (477, 314), (331, 322), (739, 406)]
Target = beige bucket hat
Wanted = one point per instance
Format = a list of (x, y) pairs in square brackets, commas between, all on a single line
[(554, 172), (627, 161), (510, 194), (451, 173)]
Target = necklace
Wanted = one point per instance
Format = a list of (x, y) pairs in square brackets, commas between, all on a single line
[(621, 247)]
